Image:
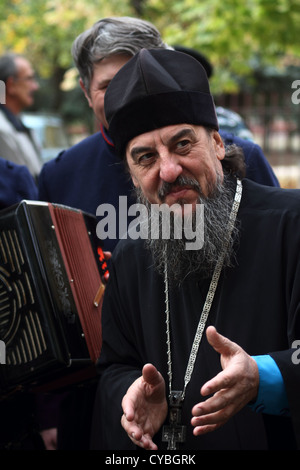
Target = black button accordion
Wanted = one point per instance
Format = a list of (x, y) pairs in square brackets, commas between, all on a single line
[(50, 272)]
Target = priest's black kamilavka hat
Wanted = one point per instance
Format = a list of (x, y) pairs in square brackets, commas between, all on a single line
[(154, 89)]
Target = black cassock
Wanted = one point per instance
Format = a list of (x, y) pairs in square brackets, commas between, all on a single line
[(257, 305)]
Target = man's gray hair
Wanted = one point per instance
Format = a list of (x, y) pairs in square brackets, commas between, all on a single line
[(8, 67), (111, 36)]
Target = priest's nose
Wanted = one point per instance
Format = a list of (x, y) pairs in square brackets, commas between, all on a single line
[(170, 168)]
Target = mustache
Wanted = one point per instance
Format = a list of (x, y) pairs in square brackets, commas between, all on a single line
[(181, 181)]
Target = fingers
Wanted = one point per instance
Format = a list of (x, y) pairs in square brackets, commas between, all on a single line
[(144, 407), (215, 411), (136, 435), (231, 389), (232, 360), (220, 343), (107, 255), (131, 427), (223, 380), (151, 375), (226, 349), (210, 422), (219, 401)]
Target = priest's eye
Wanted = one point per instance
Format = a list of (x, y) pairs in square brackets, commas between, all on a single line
[(183, 145), (146, 159)]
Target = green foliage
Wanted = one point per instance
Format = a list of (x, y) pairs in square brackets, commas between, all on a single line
[(44, 30), (235, 35), (238, 37)]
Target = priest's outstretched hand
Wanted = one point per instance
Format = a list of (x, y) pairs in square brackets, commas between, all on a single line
[(231, 389), (145, 407)]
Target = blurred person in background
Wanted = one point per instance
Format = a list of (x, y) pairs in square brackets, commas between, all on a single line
[(17, 143), (89, 173), (16, 183)]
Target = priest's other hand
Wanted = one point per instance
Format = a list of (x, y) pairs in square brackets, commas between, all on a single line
[(145, 407), (231, 389)]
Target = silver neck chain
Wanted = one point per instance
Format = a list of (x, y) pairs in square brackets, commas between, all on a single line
[(208, 301)]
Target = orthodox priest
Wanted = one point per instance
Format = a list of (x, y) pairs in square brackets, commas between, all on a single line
[(200, 347)]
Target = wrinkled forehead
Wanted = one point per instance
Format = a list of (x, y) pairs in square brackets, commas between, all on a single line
[(165, 136)]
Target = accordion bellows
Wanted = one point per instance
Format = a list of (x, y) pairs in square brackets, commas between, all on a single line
[(49, 276)]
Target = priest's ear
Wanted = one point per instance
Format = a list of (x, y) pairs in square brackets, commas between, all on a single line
[(218, 144)]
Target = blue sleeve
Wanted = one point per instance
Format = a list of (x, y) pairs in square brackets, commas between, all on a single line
[(16, 183), (271, 398), (26, 185)]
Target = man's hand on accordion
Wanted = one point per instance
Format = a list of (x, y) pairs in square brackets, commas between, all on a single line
[(103, 257), (107, 255)]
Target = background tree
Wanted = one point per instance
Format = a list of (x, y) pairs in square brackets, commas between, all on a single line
[(240, 38)]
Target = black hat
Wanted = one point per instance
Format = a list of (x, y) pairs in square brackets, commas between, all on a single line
[(154, 89), (198, 56)]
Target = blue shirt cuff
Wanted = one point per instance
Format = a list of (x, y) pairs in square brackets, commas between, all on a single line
[(271, 398)]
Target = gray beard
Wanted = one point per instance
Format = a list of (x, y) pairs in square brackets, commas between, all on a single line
[(201, 262)]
